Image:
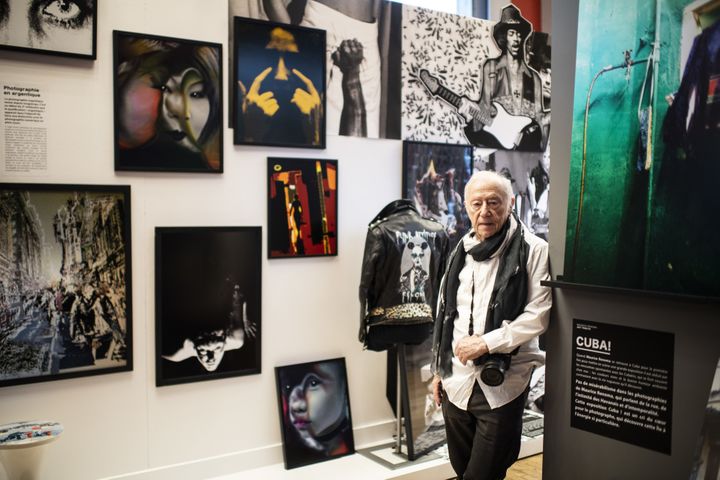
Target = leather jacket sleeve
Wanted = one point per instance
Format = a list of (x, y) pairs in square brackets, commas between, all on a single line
[(371, 258)]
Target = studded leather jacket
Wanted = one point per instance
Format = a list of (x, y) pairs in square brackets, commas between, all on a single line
[(403, 263)]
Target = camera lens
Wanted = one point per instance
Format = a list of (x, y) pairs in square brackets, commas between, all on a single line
[(492, 375)]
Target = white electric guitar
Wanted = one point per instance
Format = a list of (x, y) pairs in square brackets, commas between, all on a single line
[(500, 128)]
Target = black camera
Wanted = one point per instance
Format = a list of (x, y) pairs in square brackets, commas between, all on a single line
[(493, 367)]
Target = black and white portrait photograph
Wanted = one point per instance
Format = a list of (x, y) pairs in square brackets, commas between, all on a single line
[(207, 303), (474, 81), (54, 27), (529, 175), (362, 58), (65, 294)]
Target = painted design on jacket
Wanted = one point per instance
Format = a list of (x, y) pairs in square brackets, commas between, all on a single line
[(414, 264)]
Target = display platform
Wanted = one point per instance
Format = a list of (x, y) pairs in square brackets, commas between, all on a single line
[(379, 461), (353, 467)]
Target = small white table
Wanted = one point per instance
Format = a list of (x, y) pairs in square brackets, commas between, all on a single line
[(19, 454)]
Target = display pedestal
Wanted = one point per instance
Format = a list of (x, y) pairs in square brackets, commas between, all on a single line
[(575, 452), (23, 462), (22, 446)]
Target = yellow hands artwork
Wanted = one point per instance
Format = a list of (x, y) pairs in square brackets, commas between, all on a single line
[(305, 100)]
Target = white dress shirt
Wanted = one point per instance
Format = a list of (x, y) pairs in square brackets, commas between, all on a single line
[(522, 331)]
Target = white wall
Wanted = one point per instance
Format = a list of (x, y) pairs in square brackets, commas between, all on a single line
[(121, 423)]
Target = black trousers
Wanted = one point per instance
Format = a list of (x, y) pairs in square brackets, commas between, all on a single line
[(483, 443)]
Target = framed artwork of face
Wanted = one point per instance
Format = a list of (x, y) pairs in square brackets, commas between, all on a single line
[(168, 104), (54, 27), (65, 281), (207, 301), (314, 406)]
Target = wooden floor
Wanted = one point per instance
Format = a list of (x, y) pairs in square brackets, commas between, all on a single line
[(529, 468)]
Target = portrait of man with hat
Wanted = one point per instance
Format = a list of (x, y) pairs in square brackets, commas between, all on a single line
[(509, 81)]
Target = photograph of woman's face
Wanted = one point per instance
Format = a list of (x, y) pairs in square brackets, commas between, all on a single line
[(317, 404), (54, 25), (315, 411), (185, 107)]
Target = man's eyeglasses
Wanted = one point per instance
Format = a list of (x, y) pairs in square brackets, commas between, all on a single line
[(491, 204)]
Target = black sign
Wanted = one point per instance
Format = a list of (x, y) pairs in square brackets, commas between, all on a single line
[(622, 383)]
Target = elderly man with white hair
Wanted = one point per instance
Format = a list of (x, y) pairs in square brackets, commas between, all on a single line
[(491, 309)]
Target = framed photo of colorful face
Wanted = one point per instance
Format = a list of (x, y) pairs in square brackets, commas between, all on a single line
[(279, 84), (434, 177), (314, 406), (302, 207), (168, 104), (65, 291), (67, 28), (207, 303)]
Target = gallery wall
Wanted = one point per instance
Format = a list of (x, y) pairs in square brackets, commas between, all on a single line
[(121, 423)]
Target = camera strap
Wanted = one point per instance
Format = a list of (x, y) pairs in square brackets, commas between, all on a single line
[(471, 329)]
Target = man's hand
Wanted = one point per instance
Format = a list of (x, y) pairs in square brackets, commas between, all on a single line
[(265, 101), (470, 348), (309, 103), (306, 100), (348, 56), (437, 389)]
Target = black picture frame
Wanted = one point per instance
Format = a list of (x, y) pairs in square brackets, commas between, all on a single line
[(529, 176), (65, 281), (288, 119), (423, 420), (301, 444), (431, 170), (168, 104), (303, 219), (47, 25), (207, 303)]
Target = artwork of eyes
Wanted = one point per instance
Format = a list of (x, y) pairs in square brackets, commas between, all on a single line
[(55, 27)]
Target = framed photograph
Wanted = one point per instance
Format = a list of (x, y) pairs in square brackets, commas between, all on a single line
[(529, 175), (424, 422), (65, 291), (436, 86), (314, 406), (168, 104), (207, 303), (279, 84), (302, 207), (376, 106), (64, 28), (643, 169), (434, 177)]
